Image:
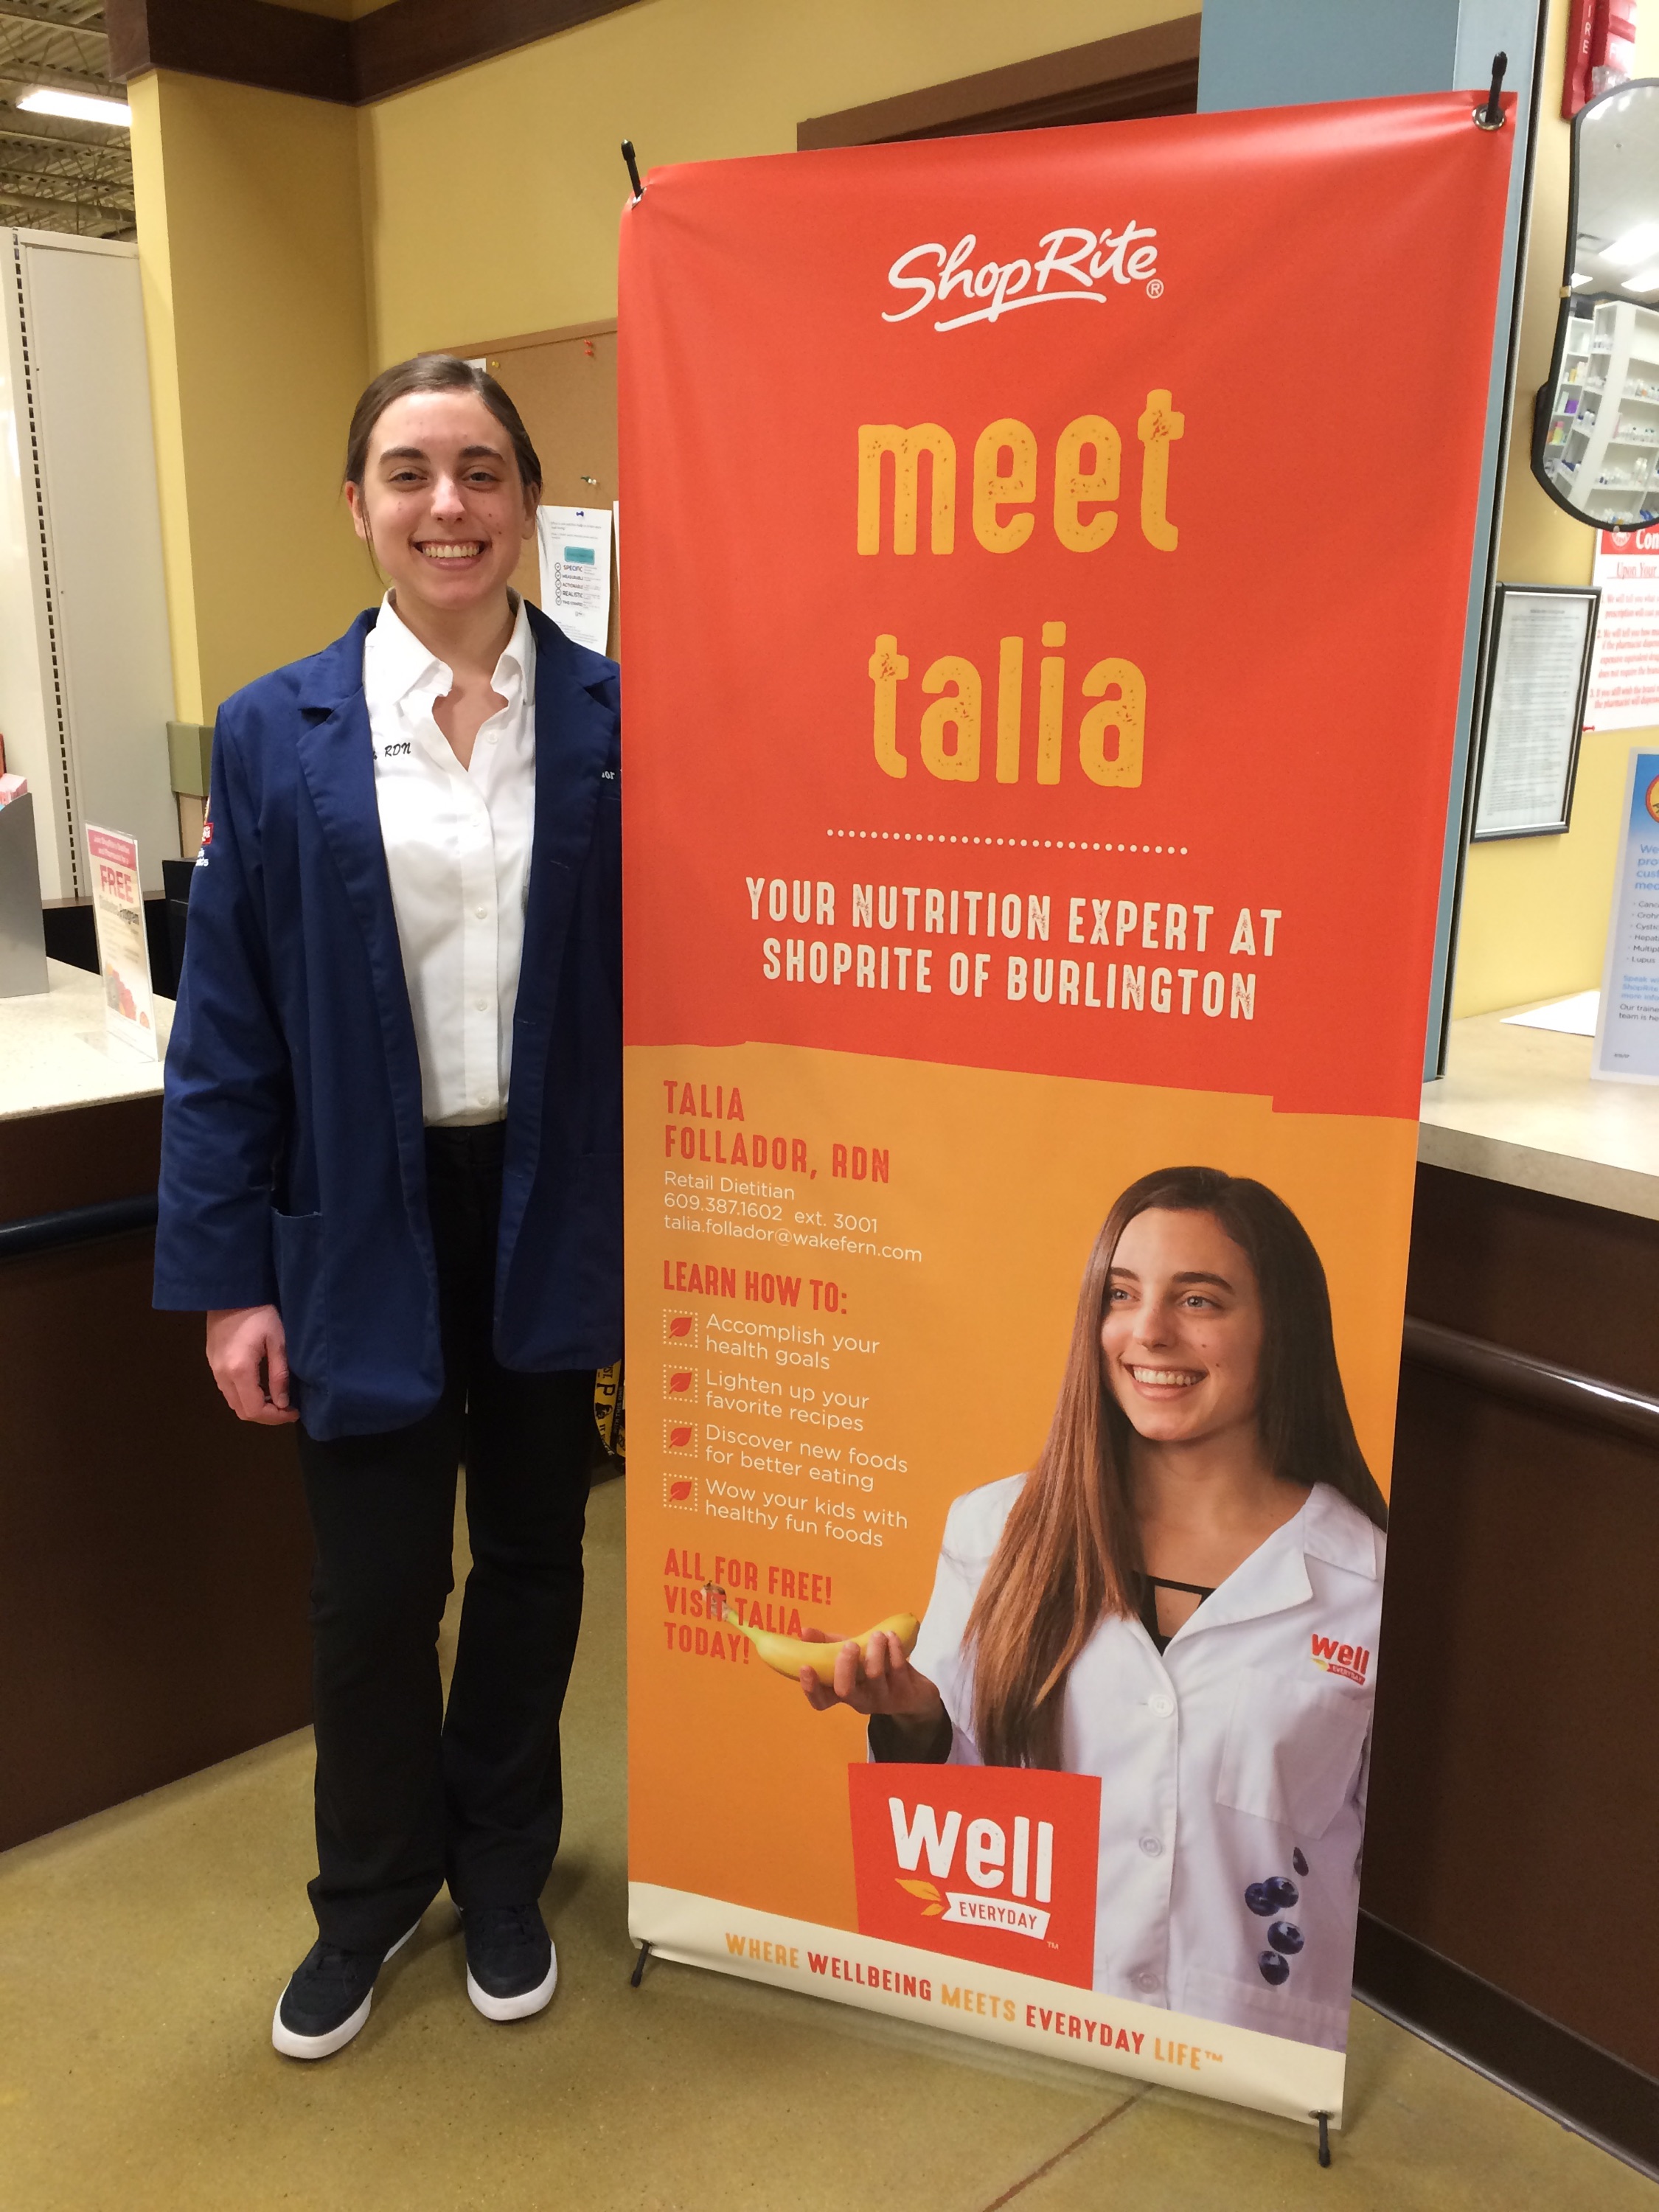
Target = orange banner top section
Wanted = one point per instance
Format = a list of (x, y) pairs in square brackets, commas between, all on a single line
[(991, 704)]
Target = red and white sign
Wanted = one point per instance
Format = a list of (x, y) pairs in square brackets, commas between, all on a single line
[(1624, 686), (995, 1864), (117, 913)]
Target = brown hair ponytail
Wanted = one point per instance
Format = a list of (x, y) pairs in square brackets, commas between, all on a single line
[(1070, 1551)]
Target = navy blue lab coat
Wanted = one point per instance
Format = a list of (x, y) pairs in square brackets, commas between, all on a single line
[(292, 1160)]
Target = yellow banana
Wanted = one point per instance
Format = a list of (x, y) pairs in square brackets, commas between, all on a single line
[(788, 1655)]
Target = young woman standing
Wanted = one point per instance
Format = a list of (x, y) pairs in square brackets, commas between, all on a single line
[(391, 1175)]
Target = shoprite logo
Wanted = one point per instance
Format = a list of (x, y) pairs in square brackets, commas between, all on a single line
[(1072, 263), (997, 1864)]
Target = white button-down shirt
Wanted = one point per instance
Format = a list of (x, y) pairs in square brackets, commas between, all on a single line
[(458, 852), (1237, 1758)]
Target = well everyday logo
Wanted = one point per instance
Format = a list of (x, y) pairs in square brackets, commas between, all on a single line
[(1349, 1660), (992, 1864), (1072, 265), (986, 1855)]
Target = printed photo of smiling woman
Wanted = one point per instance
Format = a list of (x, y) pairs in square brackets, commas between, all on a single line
[(1181, 1597), (390, 1176)]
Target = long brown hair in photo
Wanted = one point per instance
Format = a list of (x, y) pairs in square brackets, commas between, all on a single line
[(1070, 1551)]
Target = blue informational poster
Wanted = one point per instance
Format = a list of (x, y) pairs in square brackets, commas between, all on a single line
[(1627, 1030)]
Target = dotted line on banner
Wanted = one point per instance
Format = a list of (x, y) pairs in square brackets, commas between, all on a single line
[(1038, 844)]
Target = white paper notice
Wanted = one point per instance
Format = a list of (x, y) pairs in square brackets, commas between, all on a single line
[(1573, 1017), (117, 913), (1532, 725), (1624, 686), (575, 545), (1627, 1032)]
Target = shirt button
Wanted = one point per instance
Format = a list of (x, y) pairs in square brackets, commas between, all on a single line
[(1152, 1847), (481, 911), (1147, 1981), (483, 1005), (1162, 1704)]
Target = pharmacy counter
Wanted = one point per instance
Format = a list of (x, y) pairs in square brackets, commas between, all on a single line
[(154, 1554), (55, 1052), (1515, 1790), (1518, 1106)]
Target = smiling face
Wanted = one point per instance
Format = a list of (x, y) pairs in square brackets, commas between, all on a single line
[(441, 502), (1182, 1334)]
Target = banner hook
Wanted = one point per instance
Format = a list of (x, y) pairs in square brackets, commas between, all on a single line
[(638, 189), (1490, 116)]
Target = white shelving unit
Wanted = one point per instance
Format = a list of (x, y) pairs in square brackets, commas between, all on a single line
[(86, 677), (1603, 446)]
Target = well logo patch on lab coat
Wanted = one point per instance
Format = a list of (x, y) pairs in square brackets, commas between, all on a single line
[(997, 1864), (1351, 1660)]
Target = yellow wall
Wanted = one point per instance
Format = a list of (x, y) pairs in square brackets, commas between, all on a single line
[(288, 247), (1535, 908), (495, 193), (250, 250)]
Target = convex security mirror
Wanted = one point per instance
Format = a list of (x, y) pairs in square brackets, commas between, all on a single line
[(1596, 443)]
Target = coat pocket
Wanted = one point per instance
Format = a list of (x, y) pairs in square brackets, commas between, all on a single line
[(1293, 1750), (301, 1296)]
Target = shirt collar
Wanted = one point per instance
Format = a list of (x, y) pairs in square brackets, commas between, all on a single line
[(397, 665), (516, 665), (1339, 1532), (1275, 1576)]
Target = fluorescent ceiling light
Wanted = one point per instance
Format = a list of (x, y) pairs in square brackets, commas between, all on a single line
[(1578, 277), (1644, 280), (85, 108), (1635, 245)]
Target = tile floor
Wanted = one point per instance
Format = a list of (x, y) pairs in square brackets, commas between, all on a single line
[(141, 1951)]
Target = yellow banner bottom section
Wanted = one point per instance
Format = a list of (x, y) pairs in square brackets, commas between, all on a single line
[(1268, 2073)]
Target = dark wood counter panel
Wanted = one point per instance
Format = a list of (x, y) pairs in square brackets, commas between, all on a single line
[(1515, 1789), (153, 1552)]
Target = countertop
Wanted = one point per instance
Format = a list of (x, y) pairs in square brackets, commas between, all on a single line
[(1516, 1105), (1519, 1106), (55, 1052)]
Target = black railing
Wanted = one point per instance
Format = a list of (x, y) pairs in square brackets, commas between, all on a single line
[(1526, 1381), (77, 1224)]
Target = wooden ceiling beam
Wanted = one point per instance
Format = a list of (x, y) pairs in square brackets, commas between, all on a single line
[(277, 49)]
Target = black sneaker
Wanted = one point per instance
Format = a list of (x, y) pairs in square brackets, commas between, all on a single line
[(511, 1965), (327, 2000)]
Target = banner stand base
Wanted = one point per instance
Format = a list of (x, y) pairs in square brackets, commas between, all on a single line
[(1323, 2118), (638, 1976)]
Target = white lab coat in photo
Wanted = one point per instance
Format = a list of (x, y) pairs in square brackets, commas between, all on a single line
[(1245, 1743)]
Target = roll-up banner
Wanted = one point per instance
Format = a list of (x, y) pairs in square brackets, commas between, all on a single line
[(1046, 571)]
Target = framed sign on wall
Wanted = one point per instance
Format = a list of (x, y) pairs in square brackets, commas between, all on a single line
[(1538, 676)]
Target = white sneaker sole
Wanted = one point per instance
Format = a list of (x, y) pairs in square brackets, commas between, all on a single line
[(522, 2006), (324, 2047)]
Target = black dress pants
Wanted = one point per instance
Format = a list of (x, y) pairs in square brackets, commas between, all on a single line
[(411, 1795)]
